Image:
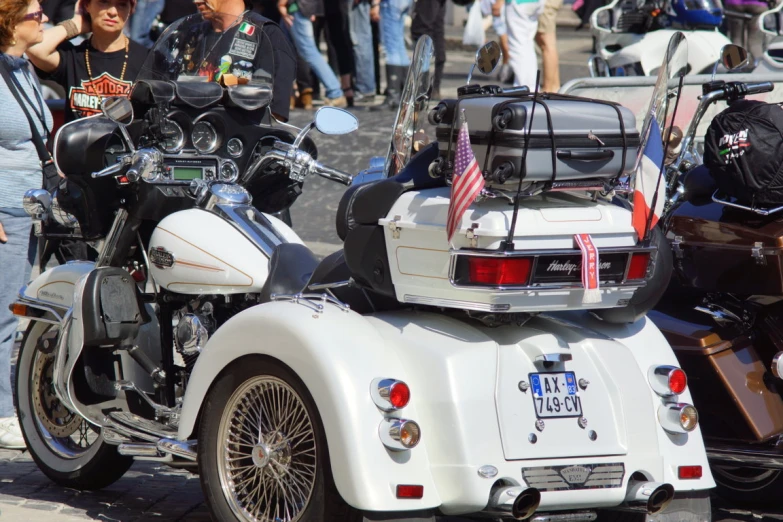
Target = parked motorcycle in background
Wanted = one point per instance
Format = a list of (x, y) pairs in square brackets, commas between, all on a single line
[(632, 35)]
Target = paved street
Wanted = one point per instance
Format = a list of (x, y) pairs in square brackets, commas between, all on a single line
[(153, 492)]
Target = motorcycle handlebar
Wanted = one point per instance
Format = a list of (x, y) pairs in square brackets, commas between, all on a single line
[(759, 87), (332, 174)]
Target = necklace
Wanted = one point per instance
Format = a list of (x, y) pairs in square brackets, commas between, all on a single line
[(89, 69)]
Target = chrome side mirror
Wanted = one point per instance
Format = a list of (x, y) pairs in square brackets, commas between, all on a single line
[(117, 109), (36, 203), (598, 67), (334, 121), (488, 58), (732, 57)]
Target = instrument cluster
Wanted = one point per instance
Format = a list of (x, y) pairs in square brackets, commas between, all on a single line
[(207, 134)]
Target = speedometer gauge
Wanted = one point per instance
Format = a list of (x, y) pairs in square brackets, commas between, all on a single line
[(174, 137), (205, 137)]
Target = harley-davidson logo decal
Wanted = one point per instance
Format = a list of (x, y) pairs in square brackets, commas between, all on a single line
[(86, 99), (575, 474), (161, 258)]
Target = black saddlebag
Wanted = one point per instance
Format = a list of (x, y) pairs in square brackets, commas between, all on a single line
[(742, 151), (571, 138)]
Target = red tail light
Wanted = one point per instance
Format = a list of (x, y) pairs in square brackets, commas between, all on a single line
[(677, 381), (410, 491), (500, 270), (399, 394), (689, 472), (638, 268)]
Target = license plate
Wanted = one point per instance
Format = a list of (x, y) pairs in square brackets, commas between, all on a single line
[(554, 395)]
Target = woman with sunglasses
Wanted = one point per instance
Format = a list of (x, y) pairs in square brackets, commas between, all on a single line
[(106, 64), (22, 107)]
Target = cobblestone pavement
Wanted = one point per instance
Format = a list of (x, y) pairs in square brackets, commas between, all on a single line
[(150, 491)]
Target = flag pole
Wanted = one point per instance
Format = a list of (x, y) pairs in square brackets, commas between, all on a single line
[(648, 225), (508, 244)]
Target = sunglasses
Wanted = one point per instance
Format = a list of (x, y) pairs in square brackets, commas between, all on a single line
[(37, 16)]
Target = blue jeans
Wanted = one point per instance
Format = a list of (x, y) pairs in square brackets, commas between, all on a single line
[(16, 261), (142, 19), (393, 31), (361, 37), (304, 39)]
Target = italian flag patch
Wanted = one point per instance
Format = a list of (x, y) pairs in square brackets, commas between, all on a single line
[(247, 28)]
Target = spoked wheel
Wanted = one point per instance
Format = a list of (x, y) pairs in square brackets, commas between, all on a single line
[(749, 485), (68, 449), (262, 452)]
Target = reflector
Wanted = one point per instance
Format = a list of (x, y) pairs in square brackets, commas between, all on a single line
[(689, 472), (500, 270), (638, 267), (409, 491)]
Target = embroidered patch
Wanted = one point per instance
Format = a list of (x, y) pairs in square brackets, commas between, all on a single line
[(247, 28), (243, 48), (733, 146)]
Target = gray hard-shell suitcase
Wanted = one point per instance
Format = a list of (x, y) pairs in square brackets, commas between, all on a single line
[(571, 138)]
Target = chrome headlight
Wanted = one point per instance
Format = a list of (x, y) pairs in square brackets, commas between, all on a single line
[(61, 216), (36, 203)]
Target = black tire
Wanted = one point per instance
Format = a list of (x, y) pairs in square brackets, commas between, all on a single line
[(94, 467), (261, 376), (749, 486)]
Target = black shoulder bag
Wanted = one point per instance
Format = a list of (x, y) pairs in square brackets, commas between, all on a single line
[(51, 178)]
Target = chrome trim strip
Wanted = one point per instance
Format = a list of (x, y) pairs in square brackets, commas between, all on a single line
[(759, 211), (453, 303), (259, 231), (536, 254), (45, 306), (555, 478)]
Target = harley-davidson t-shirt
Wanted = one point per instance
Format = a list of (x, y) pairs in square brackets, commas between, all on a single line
[(84, 93)]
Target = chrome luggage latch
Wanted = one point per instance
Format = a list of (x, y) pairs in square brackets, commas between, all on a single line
[(758, 253), (395, 230), (676, 248), (472, 235)]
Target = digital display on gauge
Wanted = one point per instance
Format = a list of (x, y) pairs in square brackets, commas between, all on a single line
[(186, 173)]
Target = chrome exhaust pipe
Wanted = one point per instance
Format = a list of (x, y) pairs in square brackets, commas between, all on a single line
[(517, 501), (654, 497)]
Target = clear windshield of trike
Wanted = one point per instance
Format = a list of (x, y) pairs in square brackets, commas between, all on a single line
[(212, 47), (660, 113)]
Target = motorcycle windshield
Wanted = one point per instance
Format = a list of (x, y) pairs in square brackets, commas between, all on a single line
[(413, 104), (665, 94), (212, 47)]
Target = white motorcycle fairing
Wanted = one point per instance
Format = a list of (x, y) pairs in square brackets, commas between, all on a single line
[(466, 396), (646, 49)]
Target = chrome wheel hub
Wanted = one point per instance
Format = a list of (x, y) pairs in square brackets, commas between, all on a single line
[(267, 452)]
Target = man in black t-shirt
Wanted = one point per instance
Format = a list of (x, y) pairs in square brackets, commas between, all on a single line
[(243, 44)]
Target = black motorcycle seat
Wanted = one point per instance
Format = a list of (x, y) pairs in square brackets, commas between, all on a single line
[(290, 267), (367, 203), (699, 184)]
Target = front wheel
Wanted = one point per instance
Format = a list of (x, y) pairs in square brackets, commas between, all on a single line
[(749, 486), (66, 448), (262, 452)]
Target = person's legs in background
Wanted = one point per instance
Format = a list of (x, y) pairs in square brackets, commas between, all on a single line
[(16, 257), (393, 39), (522, 24), (339, 41), (546, 38), (428, 18), (361, 38), (142, 19), (304, 39)]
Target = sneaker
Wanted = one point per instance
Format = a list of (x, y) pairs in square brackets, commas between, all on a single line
[(336, 102), (362, 98), (11, 434)]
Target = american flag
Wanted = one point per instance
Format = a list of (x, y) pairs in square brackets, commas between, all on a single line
[(466, 184)]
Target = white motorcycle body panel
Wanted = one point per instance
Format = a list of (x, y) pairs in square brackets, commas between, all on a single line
[(210, 255), (465, 395), (56, 285), (420, 259), (649, 48)]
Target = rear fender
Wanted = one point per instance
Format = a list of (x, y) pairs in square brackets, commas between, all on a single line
[(336, 354), (675, 449)]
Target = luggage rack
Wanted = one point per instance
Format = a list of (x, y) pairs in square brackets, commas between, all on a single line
[(536, 188), (759, 211)]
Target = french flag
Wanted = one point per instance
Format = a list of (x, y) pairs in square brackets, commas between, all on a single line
[(648, 182)]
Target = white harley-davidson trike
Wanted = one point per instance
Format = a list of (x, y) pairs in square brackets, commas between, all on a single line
[(398, 379)]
